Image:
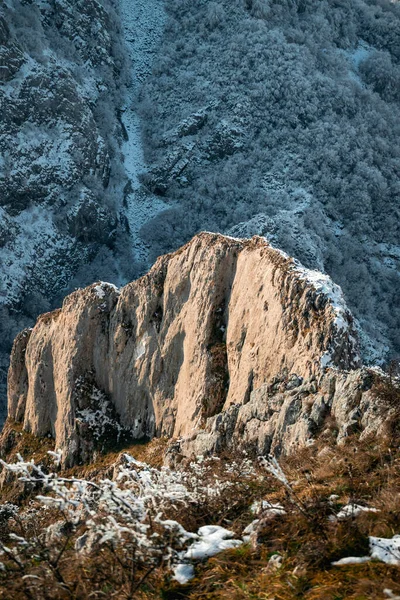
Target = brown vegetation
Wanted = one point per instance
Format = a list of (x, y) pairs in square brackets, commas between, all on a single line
[(366, 473)]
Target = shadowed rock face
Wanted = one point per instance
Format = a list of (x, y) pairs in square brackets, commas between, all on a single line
[(290, 412), (207, 327)]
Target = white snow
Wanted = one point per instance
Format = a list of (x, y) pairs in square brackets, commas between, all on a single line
[(352, 510), (351, 560), (333, 497), (386, 550), (183, 573), (323, 284), (100, 293), (267, 507), (103, 287), (211, 539), (275, 562), (98, 416), (390, 594), (143, 22)]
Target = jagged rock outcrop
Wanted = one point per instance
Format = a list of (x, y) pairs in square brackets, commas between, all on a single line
[(207, 331), (290, 412)]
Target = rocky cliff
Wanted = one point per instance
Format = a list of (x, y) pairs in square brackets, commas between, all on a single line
[(224, 339), (61, 66)]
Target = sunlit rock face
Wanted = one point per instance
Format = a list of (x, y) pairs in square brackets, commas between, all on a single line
[(205, 330)]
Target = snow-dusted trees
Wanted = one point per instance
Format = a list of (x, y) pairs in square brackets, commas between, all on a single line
[(119, 530), (312, 87)]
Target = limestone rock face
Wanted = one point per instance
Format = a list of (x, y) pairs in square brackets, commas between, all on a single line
[(205, 333), (290, 412)]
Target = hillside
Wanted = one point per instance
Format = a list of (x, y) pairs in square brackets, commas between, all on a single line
[(281, 118), (63, 65), (205, 432)]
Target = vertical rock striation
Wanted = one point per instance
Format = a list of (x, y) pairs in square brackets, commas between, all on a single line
[(208, 327)]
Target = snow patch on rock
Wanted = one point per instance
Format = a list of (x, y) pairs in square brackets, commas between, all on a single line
[(103, 288)]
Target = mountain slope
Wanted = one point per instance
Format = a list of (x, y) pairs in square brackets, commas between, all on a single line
[(281, 118), (61, 182)]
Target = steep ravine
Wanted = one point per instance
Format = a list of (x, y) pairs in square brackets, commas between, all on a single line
[(142, 26)]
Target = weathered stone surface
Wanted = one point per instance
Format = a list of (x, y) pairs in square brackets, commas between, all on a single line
[(279, 422), (18, 376), (211, 328)]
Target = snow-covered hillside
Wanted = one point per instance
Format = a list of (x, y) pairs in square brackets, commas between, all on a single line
[(61, 66), (282, 118)]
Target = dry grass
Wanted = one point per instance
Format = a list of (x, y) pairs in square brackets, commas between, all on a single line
[(366, 472), (14, 440)]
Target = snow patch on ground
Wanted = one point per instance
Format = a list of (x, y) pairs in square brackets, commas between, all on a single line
[(386, 550), (211, 539), (352, 510), (351, 560)]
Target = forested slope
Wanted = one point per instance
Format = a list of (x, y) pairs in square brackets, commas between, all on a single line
[(283, 116), (62, 64)]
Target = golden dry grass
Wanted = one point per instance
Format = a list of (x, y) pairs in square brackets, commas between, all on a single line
[(365, 472)]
